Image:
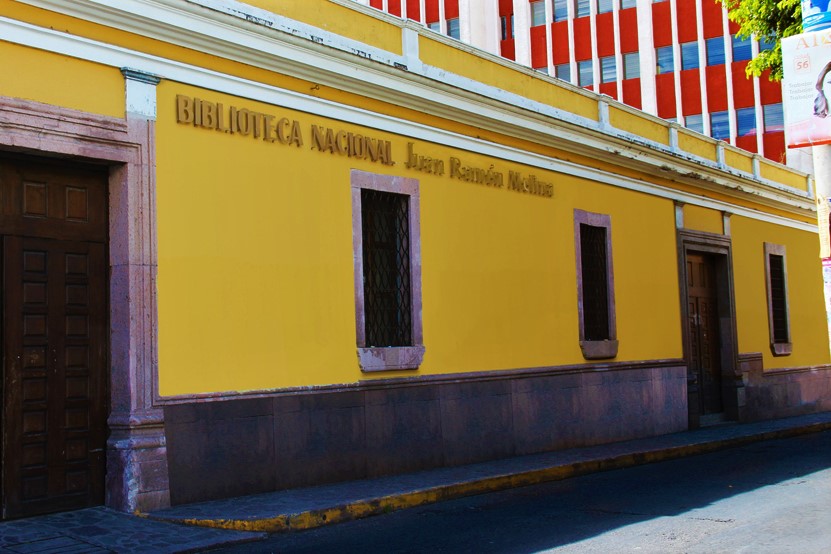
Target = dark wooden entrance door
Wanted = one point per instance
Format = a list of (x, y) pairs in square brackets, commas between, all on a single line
[(703, 330), (54, 347)]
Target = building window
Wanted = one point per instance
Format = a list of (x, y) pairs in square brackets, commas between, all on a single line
[(543, 69), (777, 291), (628, 4), (608, 69), (387, 254), (689, 55), (605, 6), (434, 26), (765, 44), (720, 125), (453, 30), (715, 51), (665, 59), (537, 14), (563, 71), (504, 22), (585, 75), (741, 49), (745, 122), (774, 118), (694, 122), (560, 10), (595, 285), (582, 8), (631, 65)]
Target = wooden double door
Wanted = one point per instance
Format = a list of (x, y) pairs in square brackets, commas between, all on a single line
[(53, 222)]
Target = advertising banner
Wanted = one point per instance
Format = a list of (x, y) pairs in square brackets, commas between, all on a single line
[(806, 88)]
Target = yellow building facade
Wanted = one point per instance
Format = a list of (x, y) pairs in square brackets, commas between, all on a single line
[(263, 245)]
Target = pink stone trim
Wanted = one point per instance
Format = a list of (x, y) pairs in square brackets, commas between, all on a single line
[(390, 358), (136, 453), (596, 349), (777, 348), (422, 380)]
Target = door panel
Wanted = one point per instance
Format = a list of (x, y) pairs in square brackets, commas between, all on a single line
[(703, 329), (54, 337)]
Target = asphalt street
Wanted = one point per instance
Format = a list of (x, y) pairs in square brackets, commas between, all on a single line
[(768, 497)]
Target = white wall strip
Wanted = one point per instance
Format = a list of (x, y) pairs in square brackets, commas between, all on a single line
[(110, 55), (319, 56)]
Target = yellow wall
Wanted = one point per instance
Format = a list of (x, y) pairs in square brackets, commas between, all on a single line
[(703, 219), (696, 144), (782, 175), (806, 305), (54, 79), (256, 272), (337, 19), (461, 62), (634, 122)]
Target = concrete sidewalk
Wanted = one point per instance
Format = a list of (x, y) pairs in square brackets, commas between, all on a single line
[(101, 530), (312, 507), (224, 522)]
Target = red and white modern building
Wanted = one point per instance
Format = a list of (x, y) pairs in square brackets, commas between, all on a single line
[(677, 59)]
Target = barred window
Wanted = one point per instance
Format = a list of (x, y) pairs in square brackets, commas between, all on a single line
[(386, 239), (387, 271), (777, 293), (595, 285)]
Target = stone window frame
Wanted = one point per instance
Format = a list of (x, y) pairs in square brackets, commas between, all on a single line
[(596, 349), (778, 348), (392, 358)]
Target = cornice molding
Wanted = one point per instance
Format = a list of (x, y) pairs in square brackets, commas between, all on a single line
[(236, 31)]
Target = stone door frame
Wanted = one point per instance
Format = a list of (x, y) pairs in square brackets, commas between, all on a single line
[(137, 476)]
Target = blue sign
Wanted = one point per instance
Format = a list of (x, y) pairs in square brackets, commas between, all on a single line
[(815, 15)]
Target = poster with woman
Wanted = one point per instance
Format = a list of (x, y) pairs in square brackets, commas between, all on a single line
[(806, 88)]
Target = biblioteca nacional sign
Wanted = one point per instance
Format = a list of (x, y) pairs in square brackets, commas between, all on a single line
[(232, 120)]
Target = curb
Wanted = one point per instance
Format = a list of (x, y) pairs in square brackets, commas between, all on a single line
[(280, 523)]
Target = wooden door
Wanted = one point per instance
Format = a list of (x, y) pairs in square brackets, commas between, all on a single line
[(703, 330), (55, 320)]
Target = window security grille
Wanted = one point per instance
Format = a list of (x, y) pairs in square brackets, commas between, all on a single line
[(595, 282), (386, 265), (779, 306)]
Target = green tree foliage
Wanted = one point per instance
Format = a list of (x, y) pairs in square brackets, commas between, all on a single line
[(770, 21)]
